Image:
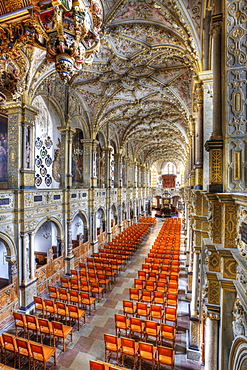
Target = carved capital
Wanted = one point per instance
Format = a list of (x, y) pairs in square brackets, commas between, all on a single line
[(213, 315)]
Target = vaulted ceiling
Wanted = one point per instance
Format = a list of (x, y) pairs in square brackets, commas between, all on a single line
[(139, 86)]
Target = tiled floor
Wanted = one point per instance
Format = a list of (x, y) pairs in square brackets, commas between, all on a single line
[(88, 343)]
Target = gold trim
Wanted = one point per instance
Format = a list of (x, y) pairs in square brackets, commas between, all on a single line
[(237, 165)]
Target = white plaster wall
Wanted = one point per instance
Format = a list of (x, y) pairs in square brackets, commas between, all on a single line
[(77, 229), (4, 272)]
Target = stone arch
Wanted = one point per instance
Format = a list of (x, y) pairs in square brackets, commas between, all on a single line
[(9, 254), (238, 354), (100, 219), (10, 247), (114, 213), (56, 221), (84, 231), (53, 244)]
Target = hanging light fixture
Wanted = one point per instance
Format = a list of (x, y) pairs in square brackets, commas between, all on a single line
[(67, 29)]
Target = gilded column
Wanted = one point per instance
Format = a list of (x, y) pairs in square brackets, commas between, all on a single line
[(192, 156), (211, 340), (215, 144), (199, 139)]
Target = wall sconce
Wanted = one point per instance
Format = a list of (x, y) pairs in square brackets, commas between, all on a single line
[(78, 224)]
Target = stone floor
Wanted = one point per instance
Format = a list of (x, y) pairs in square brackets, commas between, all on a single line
[(88, 343)]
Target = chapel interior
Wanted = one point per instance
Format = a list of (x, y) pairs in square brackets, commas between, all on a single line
[(123, 207)]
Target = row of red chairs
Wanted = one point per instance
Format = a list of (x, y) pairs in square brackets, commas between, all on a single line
[(42, 328), (147, 220), (31, 351), (82, 299), (138, 350), (152, 311), (144, 329), (91, 278), (148, 296), (59, 310)]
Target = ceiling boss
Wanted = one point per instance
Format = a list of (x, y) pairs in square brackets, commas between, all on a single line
[(67, 29)]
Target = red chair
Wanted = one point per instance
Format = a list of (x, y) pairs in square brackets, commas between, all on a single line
[(61, 331), (134, 294), (129, 348), (75, 314), (24, 351), (165, 357), (142, 310), (121, 323), (147, 352), (20, 323), (151, 329), (129, 308), (94, 365), (42, 353), (9, 346), (167, 333), (136, 326), (112, 344), (45, 329), (87, 300)]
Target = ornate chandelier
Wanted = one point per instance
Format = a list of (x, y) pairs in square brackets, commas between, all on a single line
[(67, 29)]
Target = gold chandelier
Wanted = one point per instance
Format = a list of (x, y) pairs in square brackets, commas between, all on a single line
[(67, 29)]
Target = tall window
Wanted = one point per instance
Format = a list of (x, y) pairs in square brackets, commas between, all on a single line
[(170, 169)]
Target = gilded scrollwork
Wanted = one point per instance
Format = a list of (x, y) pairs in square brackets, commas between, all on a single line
[(239, 322)]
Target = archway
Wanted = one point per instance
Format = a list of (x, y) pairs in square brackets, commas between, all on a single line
[(79, 229), (100, 220), (238, 354), (47, 242), (7, 259)]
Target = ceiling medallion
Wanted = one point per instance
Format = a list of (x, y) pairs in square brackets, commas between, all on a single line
[(67, 29)]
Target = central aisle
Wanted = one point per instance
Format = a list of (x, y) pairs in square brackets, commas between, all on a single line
[(88, 343)]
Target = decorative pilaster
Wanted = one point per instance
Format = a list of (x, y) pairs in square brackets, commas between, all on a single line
[(32, 259), (107, 166), (15, 119), (226, 334), (67, 133), (199, 138), (108, 215), (89, 163), (117, 170), (195, 283), (207, 85), (215, 144), (27, 168), (92, 222), (69, 257), (28, 285)]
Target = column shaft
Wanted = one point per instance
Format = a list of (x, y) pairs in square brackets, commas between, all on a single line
[(194, 310)]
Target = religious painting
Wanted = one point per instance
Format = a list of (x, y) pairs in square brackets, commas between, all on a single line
[(3, 151), (77, 159)]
